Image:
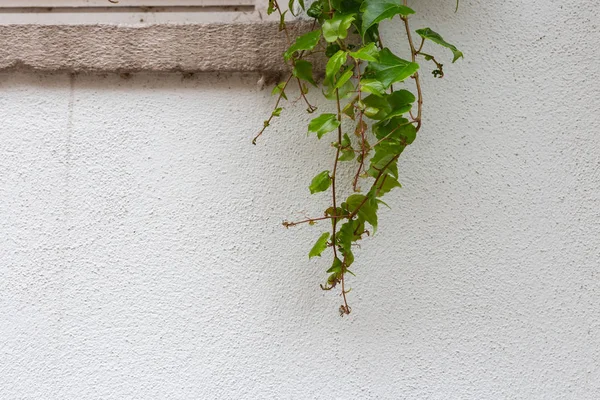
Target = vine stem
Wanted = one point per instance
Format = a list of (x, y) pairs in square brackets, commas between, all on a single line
[(413, 54), (268, 122), (344, 309), (363, 149), (309, 220), (311, 108)]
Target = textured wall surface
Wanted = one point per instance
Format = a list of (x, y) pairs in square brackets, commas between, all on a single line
[(142, 256)]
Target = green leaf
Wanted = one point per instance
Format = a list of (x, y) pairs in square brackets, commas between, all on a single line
[(377, 107), (303, 70), (315, 10), (384, 107), (344, 78), (372, 86), (319, 246), (337, 27), (307, 41), (346, 234), (279, 89), (346, 90), (323, 124), (368, 208), (427, 33), (385, 184), (384, 159), (347, 155), (345, 237), (354, 201), (390, 68), (375, 11), (367, 53), (282, 25), (291, 6), (345, 140), (320, 183), (349, 259), (400, 103), (277, 112), (346, 150), (396, 129), (336, 268), (334, 64)]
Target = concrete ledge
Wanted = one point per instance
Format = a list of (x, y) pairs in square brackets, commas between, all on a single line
[(252, 47)]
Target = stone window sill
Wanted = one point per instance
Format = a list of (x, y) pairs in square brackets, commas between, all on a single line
[(47, 42), (211, 47)]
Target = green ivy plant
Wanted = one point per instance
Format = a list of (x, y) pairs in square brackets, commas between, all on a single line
[(365, 81)]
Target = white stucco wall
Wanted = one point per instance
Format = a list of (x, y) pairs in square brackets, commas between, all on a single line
[(142, 256)]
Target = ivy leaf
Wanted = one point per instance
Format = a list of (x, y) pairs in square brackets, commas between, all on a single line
[(345, 236), (348, 110), (377, 107), (347, 155), (349, 258), (323, 124), (343, 91), (346, 150), (315, 10), (375, 11), (334, 65), (353, 201), (384, 107), (391, 68), (303, 70), (344, 78), (279, 89), (277, 112), (427, 33), (372, 86), (291, 6), (397, 129), (337, 27), (336, 269), (383, 160), (368, 208), (346, 140), (307, 41), (319, 246), (320, 183), (282, 25), (367, 53), (400, 103), (386, 184)]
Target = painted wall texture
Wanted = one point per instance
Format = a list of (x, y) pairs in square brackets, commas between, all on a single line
[(142, 254)]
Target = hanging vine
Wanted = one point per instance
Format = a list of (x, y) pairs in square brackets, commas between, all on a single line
[(360, 75)]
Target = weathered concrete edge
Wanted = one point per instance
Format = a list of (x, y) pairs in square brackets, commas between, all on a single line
[(248, 47)]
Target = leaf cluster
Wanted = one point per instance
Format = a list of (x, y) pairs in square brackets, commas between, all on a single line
[(375, 119)]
